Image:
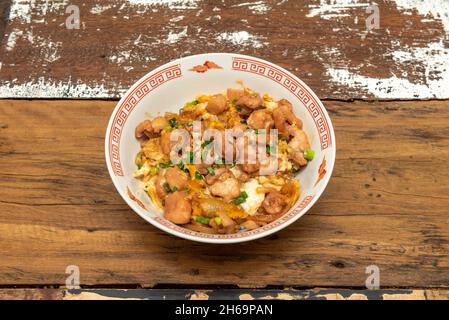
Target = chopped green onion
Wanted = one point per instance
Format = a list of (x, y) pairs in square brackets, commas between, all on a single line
[(182, 167), (295, 169), (138, 160), (205, 143), (166, 187), (202, 220), (192, 103), (242, 198), (169, 189), (190, 157), (173, 123), (198, 175), (218, 220), (309, 154), (270, 149), (211, 171), (165, 165), (189, 124), (239, 108), (154, 170)]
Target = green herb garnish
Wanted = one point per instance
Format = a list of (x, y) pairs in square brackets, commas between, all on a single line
[(309, 154), (202, 220), (192, 103), (138, 160), (270, 149), (242, 198), (166, 187), (189, 157), (182, 167), (205, 143), (198, 176), (211, 171), (165, 165), (173, 123)]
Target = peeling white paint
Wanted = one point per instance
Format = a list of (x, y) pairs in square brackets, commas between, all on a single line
[(174, 37), (336, 9), (171, 4), (329, 9), (241, 38), (177, 19), (98, 9), (25, 9), (50, 51), (120, 57), (434, 59), (258, 7), (439, 9), (12, 39), (43, 88)]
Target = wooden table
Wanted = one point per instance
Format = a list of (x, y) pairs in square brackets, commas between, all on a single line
[(387, 204)]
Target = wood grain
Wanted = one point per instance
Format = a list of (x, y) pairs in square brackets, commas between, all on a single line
[(325, 43), (223, 294), (386, 204)]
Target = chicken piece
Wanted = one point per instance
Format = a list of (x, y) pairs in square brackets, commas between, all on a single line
[(274, 202), (176, 178), (239, 129), (284, 117), (158, 124), (239, 174), (217, 104), (178, 208), (143, 127), (211, 179), (234, 94), (226, 187), (159, 185), (247, 154), (150, 128), (250, 225), (250, 168), (202, 168), (300, 141), (165, 142), (261, 119), (250, 101), (167, 146), (297, 145), (227, 223)]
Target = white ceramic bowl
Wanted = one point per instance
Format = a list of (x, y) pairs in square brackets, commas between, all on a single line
[(168, 87)]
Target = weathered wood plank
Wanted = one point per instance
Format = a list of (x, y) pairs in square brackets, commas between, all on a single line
[(220, 294), (386, 205), (324, 42)]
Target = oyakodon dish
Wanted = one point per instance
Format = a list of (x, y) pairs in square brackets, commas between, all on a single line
[(225, 163)]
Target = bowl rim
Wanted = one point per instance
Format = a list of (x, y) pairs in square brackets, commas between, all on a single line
[(137, 209)]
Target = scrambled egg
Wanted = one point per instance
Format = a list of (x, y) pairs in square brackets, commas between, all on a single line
[(152, 151), (150, 188), (255, 199), (284, 164), (143, 171)]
